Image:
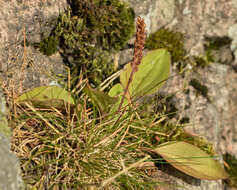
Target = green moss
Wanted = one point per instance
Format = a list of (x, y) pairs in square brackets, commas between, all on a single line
[(202, 89), (209, 56), (111, 22), (215, 43), (172, 41), (231, 169), (49, 45), (201, 62), (185, 120), (87, 34)]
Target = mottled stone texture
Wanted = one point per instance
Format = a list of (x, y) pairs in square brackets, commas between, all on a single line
[(198, 19), (10, 178), (32, 20), (10, 175), (216, 118)]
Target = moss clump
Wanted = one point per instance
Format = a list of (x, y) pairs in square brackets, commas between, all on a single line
[(49, 45), (201, 62), (185, 120), (110, 22), (202, 89), (231, 168), (172, 41), (216, 43), (87, 33)]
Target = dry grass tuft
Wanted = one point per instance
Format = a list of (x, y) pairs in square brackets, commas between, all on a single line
[(81, 152)]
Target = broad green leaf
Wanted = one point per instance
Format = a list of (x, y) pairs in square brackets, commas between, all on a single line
[(47, 96), (117, 91), (191, 160), (151, 75), (101, 100)]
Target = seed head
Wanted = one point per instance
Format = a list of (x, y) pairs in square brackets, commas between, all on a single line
[(139, 43)]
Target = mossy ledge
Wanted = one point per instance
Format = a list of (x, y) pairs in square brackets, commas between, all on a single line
[(87, 33)]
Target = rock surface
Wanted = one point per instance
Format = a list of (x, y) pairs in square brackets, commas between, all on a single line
[(214, 118), (22, 22), (18, 20), (10, 175)]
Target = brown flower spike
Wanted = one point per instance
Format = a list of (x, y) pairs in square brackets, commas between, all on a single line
[(139, 43), (137, 54)]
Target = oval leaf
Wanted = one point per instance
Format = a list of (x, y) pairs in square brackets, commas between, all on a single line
[(151, 75), (191, 160), (47, 96)]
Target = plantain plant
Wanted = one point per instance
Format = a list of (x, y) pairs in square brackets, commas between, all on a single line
[(145, 75)]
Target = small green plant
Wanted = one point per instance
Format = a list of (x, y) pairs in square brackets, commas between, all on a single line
[(64, 143)]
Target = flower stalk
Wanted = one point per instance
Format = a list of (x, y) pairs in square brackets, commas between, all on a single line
[(137, 54)]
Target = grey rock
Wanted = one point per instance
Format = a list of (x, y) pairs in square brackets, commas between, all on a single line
[(10, 175), (232, 33), (20, 66), (32, 20), (4, 129), (156, 13), (204, 18)]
